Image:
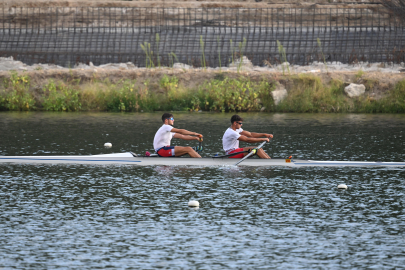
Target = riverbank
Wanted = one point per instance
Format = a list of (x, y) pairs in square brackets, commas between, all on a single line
[(180, 89)]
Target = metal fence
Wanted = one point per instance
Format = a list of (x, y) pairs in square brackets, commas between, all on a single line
[(199, 36)]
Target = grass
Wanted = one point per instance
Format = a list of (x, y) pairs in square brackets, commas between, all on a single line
[(359, 74), (306, 93), (310, 95)]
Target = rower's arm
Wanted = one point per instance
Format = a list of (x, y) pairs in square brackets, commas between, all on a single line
[(256, 135), (185, 137), (243, 138), (259, 135), (185, 132)]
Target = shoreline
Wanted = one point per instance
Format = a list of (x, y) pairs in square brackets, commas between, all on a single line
[(319, 87)]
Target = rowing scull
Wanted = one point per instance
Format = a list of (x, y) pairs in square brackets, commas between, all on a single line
[(129, 158)]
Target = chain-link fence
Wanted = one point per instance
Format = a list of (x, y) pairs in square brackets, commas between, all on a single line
[(200, 36)]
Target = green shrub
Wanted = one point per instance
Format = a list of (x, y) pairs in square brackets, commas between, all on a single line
[(60, 97), (15, 95), (175, 97), (124, 96), (120, 97), (233, 94)]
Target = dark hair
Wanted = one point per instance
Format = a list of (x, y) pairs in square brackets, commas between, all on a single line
[(236, 118), (166, 116)]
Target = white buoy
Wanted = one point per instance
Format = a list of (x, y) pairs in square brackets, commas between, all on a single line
[(342, 186), (193, 204), (108, 145)]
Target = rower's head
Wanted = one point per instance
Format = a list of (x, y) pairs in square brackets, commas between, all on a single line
[(236, 121), (168, 119)]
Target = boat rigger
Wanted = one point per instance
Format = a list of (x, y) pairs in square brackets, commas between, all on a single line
[(130, 158)]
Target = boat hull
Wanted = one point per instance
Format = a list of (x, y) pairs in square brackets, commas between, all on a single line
[(129, 159)]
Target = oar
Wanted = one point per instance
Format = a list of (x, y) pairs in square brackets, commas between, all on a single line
[(251, 153), (199, 148), (200, 143)]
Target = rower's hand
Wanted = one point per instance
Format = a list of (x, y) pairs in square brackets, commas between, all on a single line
[(266, 139), (199, 137), (269, 136)]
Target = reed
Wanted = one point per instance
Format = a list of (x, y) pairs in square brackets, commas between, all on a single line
[(232, 50), (283, 56), (172, 57), (241, 46), (202, 53), (157, 48), (219, 53), (149, 55), (323, 56)]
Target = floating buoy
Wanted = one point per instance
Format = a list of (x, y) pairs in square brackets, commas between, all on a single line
[(108, 145), (193, 204), (342, 186)]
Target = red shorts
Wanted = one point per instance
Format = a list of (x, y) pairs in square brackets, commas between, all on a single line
[(167, 151), (241, 155)]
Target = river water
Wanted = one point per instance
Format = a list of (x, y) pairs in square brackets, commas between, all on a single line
[(121, 216)]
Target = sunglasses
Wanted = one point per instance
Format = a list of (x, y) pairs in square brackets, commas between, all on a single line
[(240, 123), (171, 118)]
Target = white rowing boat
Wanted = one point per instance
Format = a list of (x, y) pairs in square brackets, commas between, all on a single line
[(130, 158)]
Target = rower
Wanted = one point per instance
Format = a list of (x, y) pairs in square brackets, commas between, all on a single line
[(235, 133), (164, 135)]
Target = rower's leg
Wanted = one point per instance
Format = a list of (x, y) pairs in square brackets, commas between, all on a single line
[(247, 149), (260, 153), (183, 150)]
